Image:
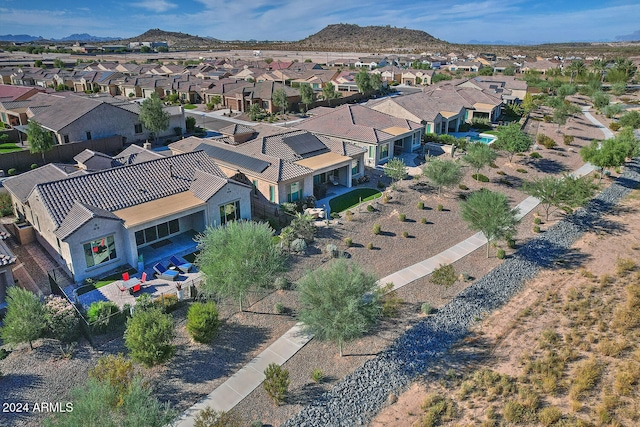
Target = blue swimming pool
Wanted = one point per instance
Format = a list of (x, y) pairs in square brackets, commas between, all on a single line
[(485, 139)]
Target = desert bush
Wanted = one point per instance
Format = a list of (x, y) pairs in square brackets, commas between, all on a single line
[(148, 336), (502, 173), (480, 178), (611, 348), (444, 275), (370, 208), (500, 254), (537, 220), (101, 314), (614, 126), (420, 205), (317, 375), (391, 302), (535, 155), (276, 382), (586, 376), (299, 246), (402, 217), (549, 416), (536, 228), (426, 308), (12, 172), (348, 241), (118, 372), (370, 245), (208, 417), (439, 208), (624, 266), (202, 321), (279, 308), (405, 234), (423, 220), (511, 243), (546, 141), (438, 409), (627, 378), (568, 139), (167, 302), (332, 250), (377, 229), (521, 170), (281, 283), (463, 187), (349, 215), (62, 322)]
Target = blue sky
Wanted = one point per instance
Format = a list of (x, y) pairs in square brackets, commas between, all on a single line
[(456, 21)]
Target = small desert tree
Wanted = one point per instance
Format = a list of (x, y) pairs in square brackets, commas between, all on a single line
[(559, 192), (202, 321), (339, 302), (25, 319), (279, 99), (329, 92), (148, 336), (512, 140), (443, 173), (613, 152), (237, 258), (40, 140), (489, 212), (362, 81), (479, 155), (153, 116), (306, 94), (396, 169), (276, 382), (254, 111), (211, 418)]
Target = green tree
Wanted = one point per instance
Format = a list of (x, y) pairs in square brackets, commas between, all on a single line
[(40, 140), (396, 169), (486, 71), (630, 119), (618, 89), (600, 100), (479, 155), (213, 102), (153, 116), (279, 99), (162, 49), (145, 49), (362, 81), (276, 382), (306, 94), (375, 81), (237, 258), (254, 111), (598, 66), (94, 401), (25, 319), (613, 152), (613, 110), (509, 71), (489, 212), (148, 336), (329, 92), (339, 302), (576, 69), (528, 104), (512, 140), (202, 321), (560, 192), (443, 173), (38, 63), (190, 123), (566, 90), (57, 63)]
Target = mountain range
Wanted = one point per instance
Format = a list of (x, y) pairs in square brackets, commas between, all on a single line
[(84, 37)]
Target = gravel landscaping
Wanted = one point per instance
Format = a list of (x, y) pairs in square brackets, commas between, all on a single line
[(363, 393)]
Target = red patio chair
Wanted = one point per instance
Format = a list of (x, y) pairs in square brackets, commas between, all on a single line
[(125, 276), (143, 278)]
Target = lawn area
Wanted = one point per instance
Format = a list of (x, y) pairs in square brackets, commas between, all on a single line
[(189, 107), (9, 147), (353, 198)]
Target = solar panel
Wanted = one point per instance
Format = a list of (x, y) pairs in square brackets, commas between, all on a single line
[(304, 143), (234, 158)]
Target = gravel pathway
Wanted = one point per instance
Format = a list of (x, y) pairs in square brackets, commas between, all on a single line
[(358, 397)]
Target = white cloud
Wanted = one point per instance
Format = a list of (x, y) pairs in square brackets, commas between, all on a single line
[(159, 6)]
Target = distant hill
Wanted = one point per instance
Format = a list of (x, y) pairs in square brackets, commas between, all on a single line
[(371, 38), (19, 38), (84, 37), (629, 37), (174, 39)]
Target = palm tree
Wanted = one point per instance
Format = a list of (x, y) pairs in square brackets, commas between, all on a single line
[(576, 68), (598, 66), (626, 66)]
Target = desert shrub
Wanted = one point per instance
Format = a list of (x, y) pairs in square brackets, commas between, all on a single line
[(624, 266), (12, 172), (370, 245), (405, 234), (317, 376), (208, 417), (568, 139), (444, 275), (537, 220), (516, 412), (279, 308), (426, 308), (549, 416), (332, 250), (276, 382), (545, 141), (511, 243), (6, 205), (585, 377), (420, 205), (480, 178), (438, 409), (627, 378), (391, 302), (614, 126), (535, 155), (423, 220), (377, 229), (349, 215), (101, 314), (439, 208), (463, 187), (536, 228), (503, 173), (370, 208), (167, 302), (299, 246), (611, 348), (118, 372), (380, 184), (521, 170), (202, 321), (402, 217), (281, 283), (348, 241), (500, 254), (3, 353), (148, 336), (493, 166), (62, 323)]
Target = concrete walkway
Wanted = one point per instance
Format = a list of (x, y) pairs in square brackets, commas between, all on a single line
[(243, 382)]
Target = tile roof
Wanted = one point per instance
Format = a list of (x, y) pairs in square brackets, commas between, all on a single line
[(356, 122), (236, 129), (94, 160), (65, 112), (22, 185), (134, 154), (79, 215), (123, 187), (206, 185)]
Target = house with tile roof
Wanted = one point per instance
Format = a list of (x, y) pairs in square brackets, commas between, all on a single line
[(282, 165), (93, 222), (261, 93), (381, 135)]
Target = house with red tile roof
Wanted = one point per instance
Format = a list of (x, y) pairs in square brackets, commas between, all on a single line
[(380, 134)]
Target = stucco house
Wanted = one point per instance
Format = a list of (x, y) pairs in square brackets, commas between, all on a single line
[(92, 222), (380, 134)]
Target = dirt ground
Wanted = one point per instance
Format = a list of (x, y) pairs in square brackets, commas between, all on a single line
[(506, 340)]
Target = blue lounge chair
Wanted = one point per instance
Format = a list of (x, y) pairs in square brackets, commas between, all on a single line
[(163, 272), (182, 266)]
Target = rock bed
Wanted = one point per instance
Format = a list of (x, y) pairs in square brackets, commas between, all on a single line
[(363, 393)]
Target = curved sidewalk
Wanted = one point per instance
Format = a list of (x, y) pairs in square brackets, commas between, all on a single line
[(244, 381)]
